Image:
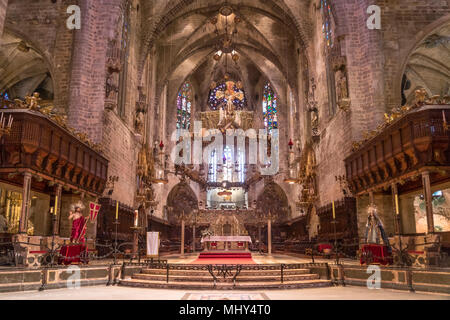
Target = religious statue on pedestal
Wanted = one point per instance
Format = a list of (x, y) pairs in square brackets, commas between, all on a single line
[(374, 228), (78, 225)]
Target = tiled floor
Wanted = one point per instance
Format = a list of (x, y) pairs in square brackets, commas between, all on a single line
[(125, 293)]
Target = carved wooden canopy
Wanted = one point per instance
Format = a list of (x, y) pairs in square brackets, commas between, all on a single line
[(419, 141), (52, 153)]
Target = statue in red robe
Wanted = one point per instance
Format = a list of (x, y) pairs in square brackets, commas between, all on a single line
[(78, 226)]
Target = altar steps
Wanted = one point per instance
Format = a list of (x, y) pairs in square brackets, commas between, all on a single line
[(246, 280), (225, 285), (275, 273), (301, 277), (225, 255)]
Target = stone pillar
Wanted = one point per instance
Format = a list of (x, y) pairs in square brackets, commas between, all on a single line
[(26, 201), (182, 238), (371, 200), (428, 200), (3, 5), (269, 236), (193, 237), (259, 235), (57, 209)]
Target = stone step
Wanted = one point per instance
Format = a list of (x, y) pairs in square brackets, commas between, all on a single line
[(240, 278), (226, 286), (199, 273)]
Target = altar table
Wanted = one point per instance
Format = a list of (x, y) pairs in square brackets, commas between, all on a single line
[(226, 239)]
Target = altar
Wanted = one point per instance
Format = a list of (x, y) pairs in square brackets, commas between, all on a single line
[(227, 242)]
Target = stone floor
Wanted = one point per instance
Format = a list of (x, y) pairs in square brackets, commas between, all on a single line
[(125, 293)]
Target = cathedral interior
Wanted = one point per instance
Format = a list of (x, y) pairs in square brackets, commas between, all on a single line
[(293, 127)]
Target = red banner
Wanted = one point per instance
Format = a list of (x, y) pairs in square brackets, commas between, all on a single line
[(94, 208)]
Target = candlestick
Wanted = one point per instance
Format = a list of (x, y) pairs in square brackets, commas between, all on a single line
[(334, 212), (56, 205), (397, 211), (136, 215), (117, 210)]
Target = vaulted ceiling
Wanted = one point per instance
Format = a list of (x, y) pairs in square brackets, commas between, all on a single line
[(23, 69), (429, 65), (269, 41)]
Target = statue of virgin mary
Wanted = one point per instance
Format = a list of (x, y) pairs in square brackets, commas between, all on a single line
[(374, 228)]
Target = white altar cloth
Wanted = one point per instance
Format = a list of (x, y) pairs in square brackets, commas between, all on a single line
[(227, 239)]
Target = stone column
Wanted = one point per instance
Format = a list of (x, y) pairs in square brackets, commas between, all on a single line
[(428, 200), (3, 6), (193, 237), (269, 236), (259, 235), (26, 201), (182, 238), (371, 200), (57, 209)]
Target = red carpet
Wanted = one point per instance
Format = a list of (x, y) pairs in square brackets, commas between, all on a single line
[(224, 258), (224, 261)]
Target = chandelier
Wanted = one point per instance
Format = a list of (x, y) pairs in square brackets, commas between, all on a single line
[(225, 44)]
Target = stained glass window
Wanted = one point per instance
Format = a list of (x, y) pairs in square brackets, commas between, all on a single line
[(327, 25), (270, 108), (228, 166), (215, 103), (184, 104), (212, 172), (4, 95)]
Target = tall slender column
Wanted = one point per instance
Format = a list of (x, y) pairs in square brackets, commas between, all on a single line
[(371, 200), (26, 202), (57, 209), (269, 235), (182, 238), (428, 200), (193, 237)]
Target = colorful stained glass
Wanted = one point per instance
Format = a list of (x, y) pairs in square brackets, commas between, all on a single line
[(327, 25), (4, 96), (270, 110), (184, 104), (215, 103)]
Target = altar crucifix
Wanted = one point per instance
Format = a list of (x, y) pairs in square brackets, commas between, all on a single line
[(228, 116)]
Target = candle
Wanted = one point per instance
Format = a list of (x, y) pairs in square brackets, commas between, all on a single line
[(334, 212), (443, 117), (51, 210), (56, 205), (396, 204), (117, 210), (136, 215)]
